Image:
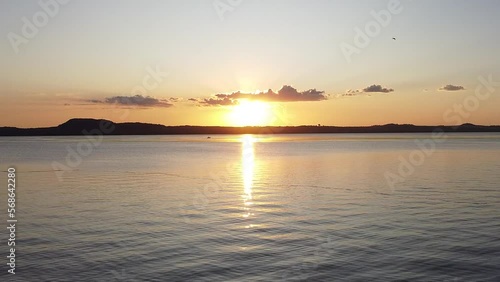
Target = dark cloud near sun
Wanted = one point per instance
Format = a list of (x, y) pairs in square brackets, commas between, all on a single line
[(451, 87), (375, 88), (285, 94), (137, 100), (217, 102)]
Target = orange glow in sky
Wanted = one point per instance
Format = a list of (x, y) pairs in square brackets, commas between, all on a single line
[(250, 113)]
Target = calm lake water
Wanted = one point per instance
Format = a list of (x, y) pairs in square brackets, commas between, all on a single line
[(333, 207)]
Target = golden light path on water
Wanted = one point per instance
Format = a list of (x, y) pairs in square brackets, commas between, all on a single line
[(248, 165)]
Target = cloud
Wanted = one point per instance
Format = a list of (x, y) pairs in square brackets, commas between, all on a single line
[(450, 87), (375, 88), (285, 94), (218, 102), (351, 92), (137, 100)]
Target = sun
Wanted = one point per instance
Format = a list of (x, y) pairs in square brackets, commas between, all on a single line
[(250, 113)]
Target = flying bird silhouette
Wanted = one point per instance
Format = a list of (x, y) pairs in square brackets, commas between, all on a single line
[(394, 38)]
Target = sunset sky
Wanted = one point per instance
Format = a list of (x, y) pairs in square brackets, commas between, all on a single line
[(276, 62)]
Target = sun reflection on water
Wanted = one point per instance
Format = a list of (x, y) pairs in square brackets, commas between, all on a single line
[(248, 165)]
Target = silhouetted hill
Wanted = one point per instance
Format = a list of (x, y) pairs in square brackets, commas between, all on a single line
[(79, 126)]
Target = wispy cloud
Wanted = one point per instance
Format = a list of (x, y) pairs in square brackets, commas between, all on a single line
[(375, 88), (137, 100), (285, 94), (175, 99), (217, 102), (451, 87)]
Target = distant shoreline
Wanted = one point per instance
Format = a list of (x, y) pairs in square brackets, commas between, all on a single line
[(78, 127)]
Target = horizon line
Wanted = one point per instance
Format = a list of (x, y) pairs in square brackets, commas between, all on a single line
[(252, 126)]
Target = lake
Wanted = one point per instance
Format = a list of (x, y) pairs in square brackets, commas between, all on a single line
[(332, 207)]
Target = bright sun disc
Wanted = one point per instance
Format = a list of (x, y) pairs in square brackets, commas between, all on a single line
[(250, 113)]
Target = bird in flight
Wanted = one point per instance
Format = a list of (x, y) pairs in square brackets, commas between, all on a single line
[(394, 38)]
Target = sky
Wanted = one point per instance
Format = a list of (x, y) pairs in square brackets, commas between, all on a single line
[(250, 62)]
